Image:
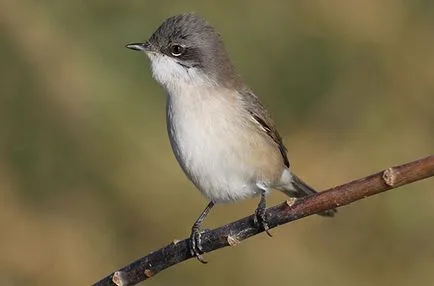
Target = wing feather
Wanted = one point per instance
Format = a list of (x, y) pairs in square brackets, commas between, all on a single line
[(264, 122)]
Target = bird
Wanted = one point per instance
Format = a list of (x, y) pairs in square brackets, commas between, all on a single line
[(221, 134)]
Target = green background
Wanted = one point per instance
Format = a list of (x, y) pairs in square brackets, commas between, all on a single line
[(88, 182)]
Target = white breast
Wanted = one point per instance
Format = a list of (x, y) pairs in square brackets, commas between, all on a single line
[(207, 138), (210, 134)]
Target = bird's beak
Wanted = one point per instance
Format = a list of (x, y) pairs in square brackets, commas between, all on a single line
[(144, 47)]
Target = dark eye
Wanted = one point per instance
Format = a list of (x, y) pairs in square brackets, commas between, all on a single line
[(176, 50)]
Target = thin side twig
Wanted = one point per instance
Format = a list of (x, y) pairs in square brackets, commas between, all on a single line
[(233, 233)]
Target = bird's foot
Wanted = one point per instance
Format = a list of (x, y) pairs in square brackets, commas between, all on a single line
[(260, 220), (195, 245)]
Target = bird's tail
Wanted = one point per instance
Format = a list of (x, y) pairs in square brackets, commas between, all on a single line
[(297, 188)]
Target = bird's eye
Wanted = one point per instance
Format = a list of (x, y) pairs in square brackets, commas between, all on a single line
[(176, 50)]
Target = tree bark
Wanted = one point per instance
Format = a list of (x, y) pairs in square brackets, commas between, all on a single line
[(290, 210)]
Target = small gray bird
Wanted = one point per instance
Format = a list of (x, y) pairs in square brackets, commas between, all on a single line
[(222, 136)]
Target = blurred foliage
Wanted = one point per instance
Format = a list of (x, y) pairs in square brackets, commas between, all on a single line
[(88, 182)]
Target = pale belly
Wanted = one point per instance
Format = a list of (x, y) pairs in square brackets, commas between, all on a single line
[(219, 153)]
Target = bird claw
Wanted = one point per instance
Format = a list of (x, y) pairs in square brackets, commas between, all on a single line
[(261, 221), (195, 244)]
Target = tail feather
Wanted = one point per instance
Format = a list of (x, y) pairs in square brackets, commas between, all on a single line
[(299, 189)]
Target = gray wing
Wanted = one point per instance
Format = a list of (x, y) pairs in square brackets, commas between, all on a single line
[(265, 123)]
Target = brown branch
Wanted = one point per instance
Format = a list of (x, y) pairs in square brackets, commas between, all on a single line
[(288, 211)]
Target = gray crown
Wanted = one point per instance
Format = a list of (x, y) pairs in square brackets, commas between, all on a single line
[(202, 47)]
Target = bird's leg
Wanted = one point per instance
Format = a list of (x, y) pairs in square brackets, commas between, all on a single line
[(195, 240), (260, 218)]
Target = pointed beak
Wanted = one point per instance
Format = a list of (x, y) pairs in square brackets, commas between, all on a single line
[(144, 47)]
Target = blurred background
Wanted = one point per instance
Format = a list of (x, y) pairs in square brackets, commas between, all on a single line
[(88, 182)]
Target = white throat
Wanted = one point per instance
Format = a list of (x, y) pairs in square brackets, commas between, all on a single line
[(172, 76)]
